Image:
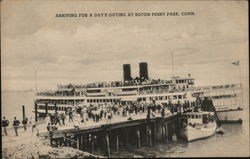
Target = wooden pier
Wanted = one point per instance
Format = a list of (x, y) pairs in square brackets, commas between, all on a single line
[(108, 138)]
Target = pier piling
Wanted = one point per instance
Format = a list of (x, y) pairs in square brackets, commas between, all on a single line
[(117, 143), (127, 137), (82, 142), (166, 132), (78, 142), (150, 137), (108, 146), (92, 143), (36, 112), (138, 139), (23, 108)]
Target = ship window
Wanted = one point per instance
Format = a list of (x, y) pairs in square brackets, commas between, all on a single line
[(88, 100), (192, 116), (174, 97), (179, 96)]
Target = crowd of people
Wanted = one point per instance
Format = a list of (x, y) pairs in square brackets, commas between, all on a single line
[(16, 124), (69, 90), (80, 115)]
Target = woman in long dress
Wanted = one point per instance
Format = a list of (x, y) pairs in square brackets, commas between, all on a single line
[(47, 120)]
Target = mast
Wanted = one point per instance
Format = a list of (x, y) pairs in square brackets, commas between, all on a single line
[(241, 88), (172, 55), (36, 81)]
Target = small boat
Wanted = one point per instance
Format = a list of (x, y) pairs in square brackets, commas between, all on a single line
[(199, 125)]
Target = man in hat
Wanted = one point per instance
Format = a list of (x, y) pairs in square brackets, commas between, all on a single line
[(16, 125), (5, 124)]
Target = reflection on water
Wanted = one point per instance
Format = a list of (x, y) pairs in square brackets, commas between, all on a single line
[(234, 142)]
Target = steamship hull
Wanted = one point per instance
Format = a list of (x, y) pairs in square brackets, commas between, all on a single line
[(230, 116), (177, 90)]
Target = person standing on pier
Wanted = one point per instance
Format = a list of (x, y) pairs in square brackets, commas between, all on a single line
[(16, 125), (163, 112), (51, 128), (5, 124), (47, 119), (25, 121), (63, 118), (70, 116), (33, 124)]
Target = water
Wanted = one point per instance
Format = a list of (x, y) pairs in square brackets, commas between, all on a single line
[(235, 141), (12, 102)]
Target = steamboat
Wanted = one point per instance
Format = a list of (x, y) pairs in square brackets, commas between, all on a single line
[(182, 90)]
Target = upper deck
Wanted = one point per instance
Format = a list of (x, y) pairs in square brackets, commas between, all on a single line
[(134, 88)]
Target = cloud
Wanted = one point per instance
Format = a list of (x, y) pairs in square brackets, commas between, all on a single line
[(96, 49)]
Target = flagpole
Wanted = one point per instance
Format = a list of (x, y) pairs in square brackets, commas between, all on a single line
[(241, 86), (36, 80), (172, 63)]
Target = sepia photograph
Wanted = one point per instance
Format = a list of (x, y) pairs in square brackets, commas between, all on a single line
[(124, 79)]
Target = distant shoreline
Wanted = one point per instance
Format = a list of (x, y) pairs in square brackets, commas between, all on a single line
[(30, 90)]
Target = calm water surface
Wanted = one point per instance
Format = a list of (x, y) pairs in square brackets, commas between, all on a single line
[(235, 141)]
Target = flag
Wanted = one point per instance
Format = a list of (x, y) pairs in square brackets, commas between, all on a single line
[(236, 63)]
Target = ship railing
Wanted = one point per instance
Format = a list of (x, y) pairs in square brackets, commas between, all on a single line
[(115, 84), (162, 91)]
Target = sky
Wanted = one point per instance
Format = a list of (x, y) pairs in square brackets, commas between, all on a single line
[(83, 50)]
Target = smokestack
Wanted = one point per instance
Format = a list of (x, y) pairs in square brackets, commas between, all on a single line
[(143, 70), (126, 72)]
